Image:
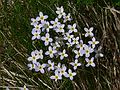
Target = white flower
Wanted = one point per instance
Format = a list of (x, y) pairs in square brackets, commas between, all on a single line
[(67, 18), (93, 42), (72, 28), (63, 54), (36, 35), (56, 76), (88, 50), (75, 64), (40, 67), (70, 74), (60, 28), (55, 23), (50, 52), (90, 62), (68, 37), (60, 12), (80, 45), (24, 88), (89, 32), (47, 39), (69, 44), (46, 26), (41, 17), (50, 65), (33, 57), (34, 21), (39, 53), (31, 66), (63, 70), (37, 28), (75, 40), (55, 45), (79, 53)]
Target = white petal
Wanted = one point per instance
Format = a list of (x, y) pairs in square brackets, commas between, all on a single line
[(86, 59), (42, 71), (74, 73), (86, 29), (91, 29), (43, 38), (51, 55), (61, 57), (33, 37), (47, 53), (93, 64), (46, 43), (52, 77), (71, 78)]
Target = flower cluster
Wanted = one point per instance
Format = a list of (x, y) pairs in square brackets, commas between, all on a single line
[(62, 43)]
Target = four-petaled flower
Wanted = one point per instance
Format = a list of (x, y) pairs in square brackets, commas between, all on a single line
[(75, 40), (47, 39), (60, 28), (72, 28), (34, 21), (41, 17), (60, 12), (46, 26), (80, 45), (37, 28), (50, 52), (90, 62), (36, 35), (89, 32), (40, 67), (66, 18), (88, 50), (63, 54), (75, 64), (50, 65), (55, 23), (62, 70), (70, 74), (79, 53), (39, 53), (68, 37), (93, 42), (56, 76), (33, 57)]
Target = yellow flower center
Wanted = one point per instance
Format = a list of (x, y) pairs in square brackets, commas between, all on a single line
[(42, 18)]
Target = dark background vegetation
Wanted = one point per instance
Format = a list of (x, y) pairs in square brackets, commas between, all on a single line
[(16, 44)]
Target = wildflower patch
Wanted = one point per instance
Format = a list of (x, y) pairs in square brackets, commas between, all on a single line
[(64, 49)]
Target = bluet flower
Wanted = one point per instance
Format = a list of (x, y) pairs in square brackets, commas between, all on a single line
[(71, 74), (50, 52), (90, 62), (89, 32), (41, 17), (47, 39), (36, 35), (50, 65), (75, 64), (72, 28), (63, 54), (93, 42), (56, 76), (60, 11)]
